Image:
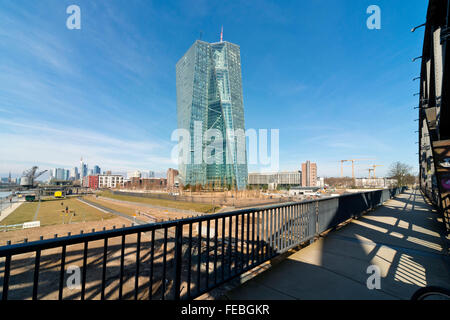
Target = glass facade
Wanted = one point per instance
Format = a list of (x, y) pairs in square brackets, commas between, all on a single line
[(210, 102)]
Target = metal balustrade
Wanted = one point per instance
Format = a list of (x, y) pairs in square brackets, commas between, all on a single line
[(180, 259)]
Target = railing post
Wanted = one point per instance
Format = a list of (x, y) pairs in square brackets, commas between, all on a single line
[(317, 218), (177, 257)]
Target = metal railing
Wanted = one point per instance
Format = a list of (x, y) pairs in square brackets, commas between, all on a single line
[(5, 228), (180, 259), (5, 203)]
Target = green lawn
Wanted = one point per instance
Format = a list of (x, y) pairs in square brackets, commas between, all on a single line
[(109, 205), (52, 212), (197, 207), (24, 213)]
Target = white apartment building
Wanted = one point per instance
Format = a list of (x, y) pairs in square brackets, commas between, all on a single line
[(279, 178), (110, 181), (320, 183)]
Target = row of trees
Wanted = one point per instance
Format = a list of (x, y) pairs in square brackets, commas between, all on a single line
[(402, 173)]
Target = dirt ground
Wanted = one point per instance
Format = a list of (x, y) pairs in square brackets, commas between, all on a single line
[(232, 244), (150, 215), (146, 213), (157, 275), (34, 234), (227, 250)]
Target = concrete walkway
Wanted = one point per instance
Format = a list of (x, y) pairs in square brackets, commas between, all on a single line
[(108, 210), (6, 212), (403, 238), (143, 204)]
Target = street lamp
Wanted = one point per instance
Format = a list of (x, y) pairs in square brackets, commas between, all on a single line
[(415, 28)]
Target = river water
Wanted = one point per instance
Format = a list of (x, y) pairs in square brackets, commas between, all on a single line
[(4, 201), (4, 194)]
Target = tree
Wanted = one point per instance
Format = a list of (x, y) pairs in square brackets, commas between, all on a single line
[(345, 182), (401, 172)]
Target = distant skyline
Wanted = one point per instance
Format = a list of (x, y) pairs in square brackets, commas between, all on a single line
[(311, 69)]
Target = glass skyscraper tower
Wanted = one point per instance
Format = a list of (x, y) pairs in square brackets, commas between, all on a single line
[(210, 99)]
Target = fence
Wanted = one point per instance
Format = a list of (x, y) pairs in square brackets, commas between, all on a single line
[(4, 203), (180, 259), (214, 200), (4, 228)]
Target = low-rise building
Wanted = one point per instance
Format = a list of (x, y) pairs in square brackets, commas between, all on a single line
[(320, 183), (171, 177), (93, 182), (146, 184), (375, 183), (109, 181), (293, 178), (299, 191)]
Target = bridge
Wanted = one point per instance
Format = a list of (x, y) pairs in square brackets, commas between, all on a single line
[(185, 259), (434, 110), (405, 239), (382, 244)]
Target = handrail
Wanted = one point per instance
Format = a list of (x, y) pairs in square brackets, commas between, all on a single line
[(231, 242)]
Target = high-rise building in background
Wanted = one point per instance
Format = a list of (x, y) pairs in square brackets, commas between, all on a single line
[(83, 170), (309, 174), (74, 175), (97, 170), (209, 96), (59, 174)]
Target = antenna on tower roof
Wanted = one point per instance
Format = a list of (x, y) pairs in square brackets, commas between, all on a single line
[(221, 35)]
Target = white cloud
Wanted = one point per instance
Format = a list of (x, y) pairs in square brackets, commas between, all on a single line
[(25, 143)]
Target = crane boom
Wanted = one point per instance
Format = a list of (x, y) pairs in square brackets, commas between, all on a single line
[(353, 166)]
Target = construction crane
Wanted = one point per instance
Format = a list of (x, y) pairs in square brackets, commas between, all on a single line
[(374, 169), (29, 176), (353, 166), (370, 170), (342, 167)]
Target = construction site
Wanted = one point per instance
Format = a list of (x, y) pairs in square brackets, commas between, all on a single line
[(38, 211)]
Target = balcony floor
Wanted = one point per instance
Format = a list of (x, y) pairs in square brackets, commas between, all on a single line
[(404, 238)]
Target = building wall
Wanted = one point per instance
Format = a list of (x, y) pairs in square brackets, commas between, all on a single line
[(309, 174), (209, 96), (83, 170), (375, 183), (93, 182), (146, 184), (97, 170), (281, 178), (110, 181), (171, 174)]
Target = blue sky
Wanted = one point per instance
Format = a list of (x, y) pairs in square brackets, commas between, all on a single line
[(312, 69)]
